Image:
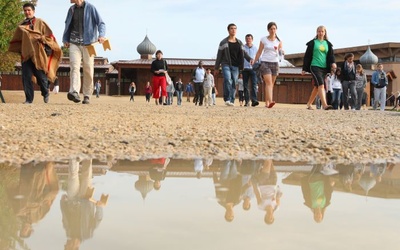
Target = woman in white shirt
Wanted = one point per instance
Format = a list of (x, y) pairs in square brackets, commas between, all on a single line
[(336, 89), (269, 52)]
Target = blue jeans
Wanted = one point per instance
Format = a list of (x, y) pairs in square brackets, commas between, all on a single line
[(179, 96), (336, 98), (250, 74), (231, 74)]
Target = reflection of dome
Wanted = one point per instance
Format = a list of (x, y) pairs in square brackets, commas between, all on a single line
[(368, 59), (367, 182), (144, 185), (146, 48)]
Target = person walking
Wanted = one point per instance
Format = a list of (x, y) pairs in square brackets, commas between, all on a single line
[(189, 90), (379, 81), (249, 74), (82, 24), (179, 91), (336, 88), (198, 78), (132, 90), (230, 57), (269, 52), (97, 87), (208, 86), (360, 84), (159, 68), (148, 91), (349, 81), (35, 42), (318, 60)]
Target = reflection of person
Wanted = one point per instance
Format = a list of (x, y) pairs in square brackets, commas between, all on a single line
[(159, 67), (247, 169), (158, 171), (266, 190), (268, 52), (317, 191), (39, 187), (40, 53), (318, 60), (81, 214), (81, 26), (346, 176), (200, 165), (230, 57), (228, 188), (379, 81)]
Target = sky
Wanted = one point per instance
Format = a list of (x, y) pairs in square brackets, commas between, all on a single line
[(193, 29)]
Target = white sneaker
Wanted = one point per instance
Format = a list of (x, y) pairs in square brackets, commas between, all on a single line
[(228, 103), (329, 171)]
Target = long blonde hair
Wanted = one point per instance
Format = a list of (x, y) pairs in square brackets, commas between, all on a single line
[(326, 32)]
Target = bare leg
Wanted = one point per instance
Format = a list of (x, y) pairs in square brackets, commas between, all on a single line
[(269, 88), (314, 93), (322, 96)]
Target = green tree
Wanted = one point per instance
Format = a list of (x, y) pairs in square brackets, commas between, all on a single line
[(11, 15)]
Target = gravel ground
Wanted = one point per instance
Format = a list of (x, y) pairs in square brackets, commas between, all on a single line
[(113, 127)]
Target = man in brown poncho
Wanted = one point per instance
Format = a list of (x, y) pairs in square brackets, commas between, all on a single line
[(40, 53)]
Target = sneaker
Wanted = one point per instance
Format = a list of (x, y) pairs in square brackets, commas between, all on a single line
[(228, 103), (74, 96), (254, 103), (46, 98), (86, 100)]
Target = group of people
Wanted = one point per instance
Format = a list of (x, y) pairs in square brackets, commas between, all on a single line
[(41, 54), (84, 26), (232, 57)]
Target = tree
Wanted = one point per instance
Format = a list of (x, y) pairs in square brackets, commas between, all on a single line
[(11, 16)]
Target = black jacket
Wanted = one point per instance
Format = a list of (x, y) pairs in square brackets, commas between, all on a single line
[(330, 58)]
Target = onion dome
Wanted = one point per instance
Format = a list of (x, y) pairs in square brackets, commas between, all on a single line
[(368, 59), (144, 185), (146, 48)]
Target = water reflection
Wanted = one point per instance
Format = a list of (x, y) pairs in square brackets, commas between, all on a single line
[(66, 200), (26, 200), (81, 213)]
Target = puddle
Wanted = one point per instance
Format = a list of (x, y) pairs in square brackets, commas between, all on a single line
[(199, 204)]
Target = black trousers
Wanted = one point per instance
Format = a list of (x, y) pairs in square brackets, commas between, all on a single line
[(29, 70)]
